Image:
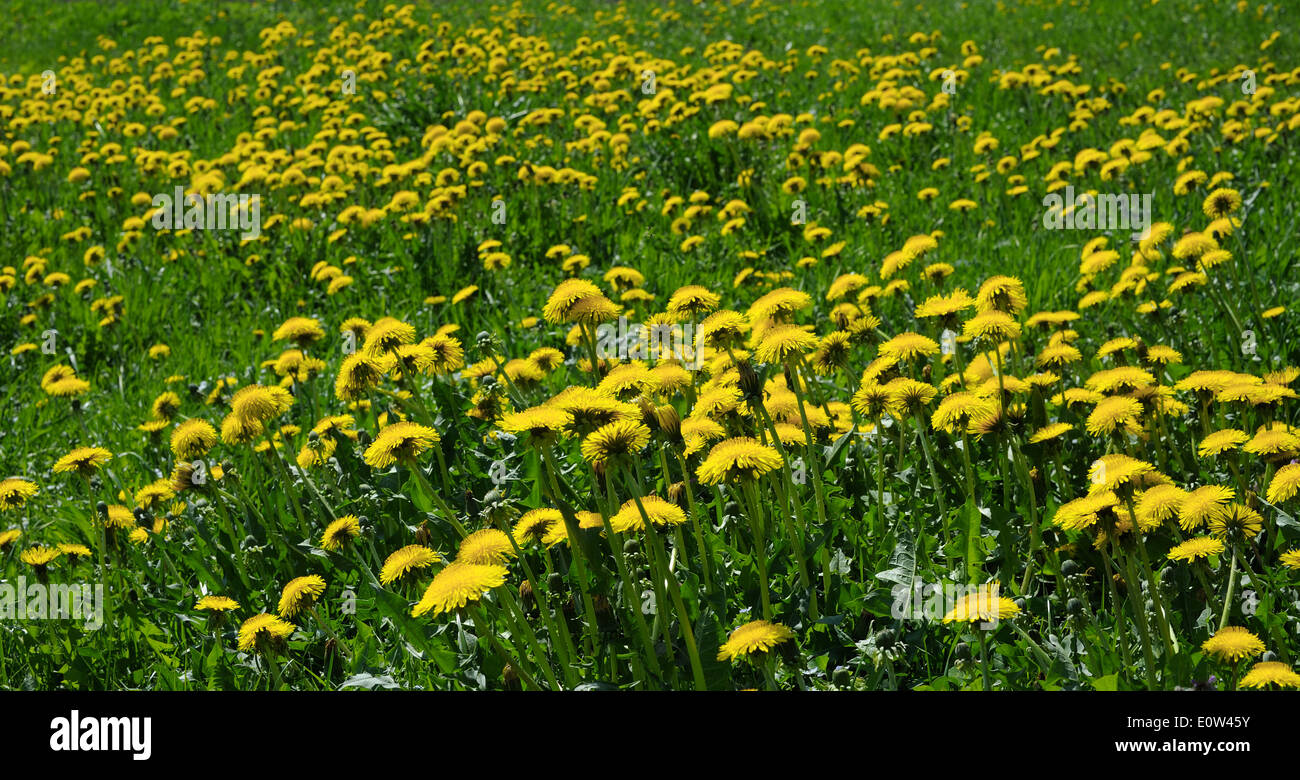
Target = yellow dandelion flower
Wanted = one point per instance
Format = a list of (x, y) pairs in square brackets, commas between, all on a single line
[(340, 532), (982, 606), (1195, 548), (1232, 644), (216, 604), (300, 593), (457, 585), (193, 438), (615, 441), (1222, 441), (488, 546), (14, 492), (409, 559), (83, 460), (1267, 673), (264, 632), (400, 442), (736, 460), (753, 638), (661, 513), (533, 525), (1202, 505)]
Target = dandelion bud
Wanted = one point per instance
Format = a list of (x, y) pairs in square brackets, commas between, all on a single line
[(962, 652), (554, 581), (677, 493), (510, 677), (1073, 607), (631, 547), (885, 639), (669, 422), (483, 340), (422, 534), (1069, 567), (526, 593), (647, 409), (842, 676), (750, 384), (101, 510)]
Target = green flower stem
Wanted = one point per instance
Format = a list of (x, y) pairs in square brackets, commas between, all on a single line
[(519, 626), (1118, 608), (880, 478), (1134, 587), (288, 488), (510, 385), (934, 475), (1035, 532), (417, 402), (984, 657), (543, 607), (576, 549), (795, 531), (768, 665), (590, 339), (755, 514), (631, 596), (338, 642), (706, 553), (443, 475), (1162, 613), (329, 510), (437, 499), (819, 492), (674, 588), (484, 629), (274, 668), (973, 562), (102, 524), (1232, 585)]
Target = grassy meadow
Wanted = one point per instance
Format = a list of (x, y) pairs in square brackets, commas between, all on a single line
[(649, 346)]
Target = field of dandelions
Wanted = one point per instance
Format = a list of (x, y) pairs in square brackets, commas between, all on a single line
[(898, 433)]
